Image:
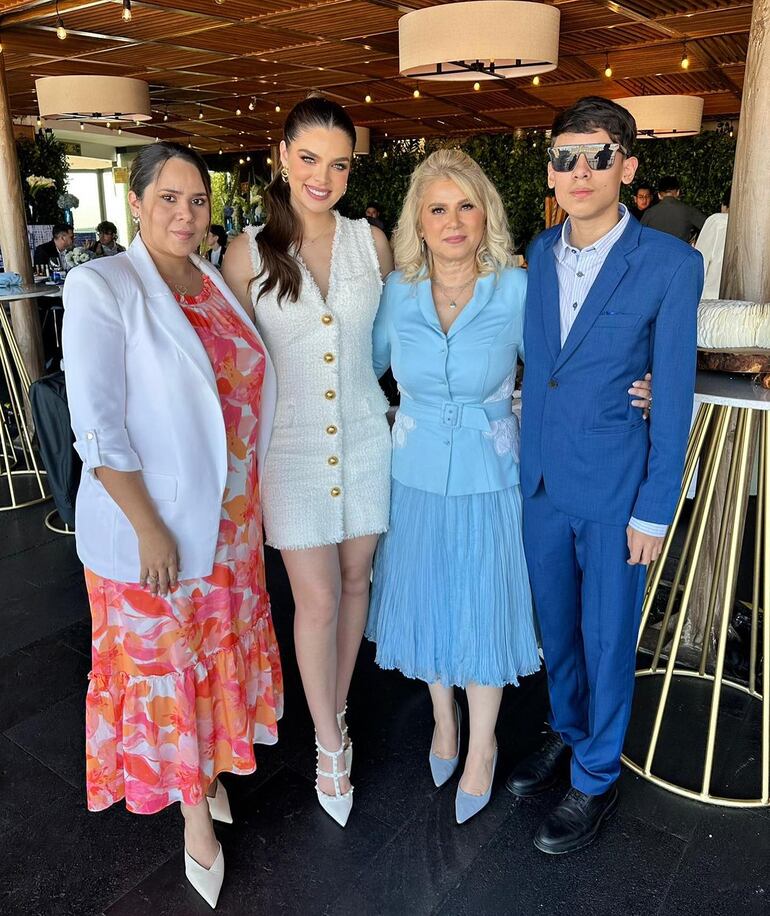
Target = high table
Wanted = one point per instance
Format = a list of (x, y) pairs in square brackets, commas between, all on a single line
[(17, 458), (725, 403)]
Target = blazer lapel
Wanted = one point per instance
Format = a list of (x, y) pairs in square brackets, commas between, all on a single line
[(549, 305), (168, 312), (612, 272), (428, 309), (485, 288)]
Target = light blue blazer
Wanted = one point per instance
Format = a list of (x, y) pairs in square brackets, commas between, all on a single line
[(455, 432)]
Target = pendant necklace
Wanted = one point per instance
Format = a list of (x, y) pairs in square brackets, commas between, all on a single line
[(457, 289)]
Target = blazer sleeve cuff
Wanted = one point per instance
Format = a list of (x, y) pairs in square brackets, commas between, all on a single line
[(108, 448)]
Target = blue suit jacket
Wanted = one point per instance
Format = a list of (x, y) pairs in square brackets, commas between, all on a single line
[(599, 459)]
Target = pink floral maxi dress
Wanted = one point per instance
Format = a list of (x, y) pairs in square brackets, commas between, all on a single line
[(182, 687)]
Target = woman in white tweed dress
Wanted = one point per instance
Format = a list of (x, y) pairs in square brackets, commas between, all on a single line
[(314, 279)]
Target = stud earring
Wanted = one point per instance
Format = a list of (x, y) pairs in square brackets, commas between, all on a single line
[(285, 175), (135, 218)]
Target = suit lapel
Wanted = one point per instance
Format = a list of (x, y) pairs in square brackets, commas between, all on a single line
[(428, 309), (612, 272), (549, 295), (485, 287)]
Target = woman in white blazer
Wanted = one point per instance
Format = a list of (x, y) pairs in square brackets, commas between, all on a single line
[(172, 396)]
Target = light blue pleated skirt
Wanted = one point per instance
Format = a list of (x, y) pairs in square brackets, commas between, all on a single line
[(450, 594)]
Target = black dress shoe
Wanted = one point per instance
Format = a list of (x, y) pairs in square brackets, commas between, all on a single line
[(575, 821), (541, 769)]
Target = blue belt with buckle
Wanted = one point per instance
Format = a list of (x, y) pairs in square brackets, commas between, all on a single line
[(456, 415)]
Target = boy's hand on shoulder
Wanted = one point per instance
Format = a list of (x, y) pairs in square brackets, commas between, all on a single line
[(642, 548)]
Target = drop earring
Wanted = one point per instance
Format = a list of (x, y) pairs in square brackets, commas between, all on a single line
[(285, 175)]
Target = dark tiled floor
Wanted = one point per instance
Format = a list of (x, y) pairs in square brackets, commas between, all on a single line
[(401, 854)]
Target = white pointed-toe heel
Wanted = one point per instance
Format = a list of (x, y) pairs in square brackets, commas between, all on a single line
[(347, 742), (219, 805), (340, 804), (206, 881)]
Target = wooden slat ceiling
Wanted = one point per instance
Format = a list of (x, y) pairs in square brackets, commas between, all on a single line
[(215, 56)]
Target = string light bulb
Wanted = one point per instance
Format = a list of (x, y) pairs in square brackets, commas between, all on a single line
[(127, 16), (367, 99), (277, 109), (238, 112), (82, 126), (416, 93), (252, 104), (189, 145), (248, 159), (61, 32), (165, 116), (607, 67), (38, 123), (535, 80), (476, 87), (220, 150), (241, 162), (269, 161), (200, 113), (685, 64), (109, 125)]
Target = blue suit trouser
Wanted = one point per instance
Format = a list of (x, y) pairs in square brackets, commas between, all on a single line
[(588, 602)]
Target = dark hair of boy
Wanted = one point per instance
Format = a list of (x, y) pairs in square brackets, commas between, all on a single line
[(594, 113)]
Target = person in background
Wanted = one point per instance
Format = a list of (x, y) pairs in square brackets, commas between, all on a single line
[(106, 243), (373, 216), (52, 253), (673, 215), (711, 244), (172, 395), (644, 198), (216, 244)]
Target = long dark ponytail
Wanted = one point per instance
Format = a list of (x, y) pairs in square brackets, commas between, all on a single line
[(283, 228)]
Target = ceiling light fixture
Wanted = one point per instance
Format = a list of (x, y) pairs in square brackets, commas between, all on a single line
[(607, 67), (685, 63), (483, 39), (61, 32)]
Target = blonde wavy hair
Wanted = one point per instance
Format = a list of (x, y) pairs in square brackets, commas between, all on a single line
[(412, 257)]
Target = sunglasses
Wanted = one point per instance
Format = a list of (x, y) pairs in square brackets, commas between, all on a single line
[(599, 156)]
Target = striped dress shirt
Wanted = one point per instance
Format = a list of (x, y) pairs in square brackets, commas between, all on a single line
[(577, 269)]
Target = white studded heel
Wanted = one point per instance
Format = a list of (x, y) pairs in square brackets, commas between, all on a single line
[(346, 741), (338, 805)]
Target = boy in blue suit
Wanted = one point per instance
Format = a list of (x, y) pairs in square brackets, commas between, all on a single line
[(608, 300)]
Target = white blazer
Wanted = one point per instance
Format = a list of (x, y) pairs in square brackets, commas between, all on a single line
[(143, 397)]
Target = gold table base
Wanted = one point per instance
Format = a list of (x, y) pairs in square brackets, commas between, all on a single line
[(17, 459), (53, 522), (707, 450)]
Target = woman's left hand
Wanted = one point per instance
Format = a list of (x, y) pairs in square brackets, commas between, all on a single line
[(642, 391)]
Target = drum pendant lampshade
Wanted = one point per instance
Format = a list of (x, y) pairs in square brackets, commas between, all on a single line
[(93, 98), (363, 142), (484, 39), (665, 115)]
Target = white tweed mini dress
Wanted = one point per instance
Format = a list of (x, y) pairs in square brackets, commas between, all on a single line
[(326, 476)]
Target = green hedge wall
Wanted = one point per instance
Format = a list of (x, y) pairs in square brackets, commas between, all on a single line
[(516, 164)]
